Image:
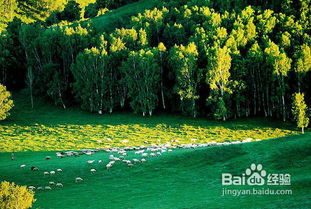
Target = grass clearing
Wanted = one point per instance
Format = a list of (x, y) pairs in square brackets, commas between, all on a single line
[(48, 127), (111, 20)]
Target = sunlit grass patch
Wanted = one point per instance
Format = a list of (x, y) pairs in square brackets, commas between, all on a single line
[(48, 127), (63, 137)]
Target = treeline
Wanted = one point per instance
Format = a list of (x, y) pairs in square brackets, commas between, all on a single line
[(184, 56)]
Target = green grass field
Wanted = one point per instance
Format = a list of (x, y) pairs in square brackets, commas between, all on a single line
[(179, 179), (110, 20), (47, 127)]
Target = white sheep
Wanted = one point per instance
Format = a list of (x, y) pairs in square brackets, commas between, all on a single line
[(169, 150), (93, 170), (22, 166), (152, 154), (100, 161), (108, 165), (46, 173), (136, 161), (59, 185), (47, 188), (111, 157), (144, 154), (52, 172), (143, 160), (59, 170), (51, 183), (78, 179), (90, 161), (31, 187), (40, 188)]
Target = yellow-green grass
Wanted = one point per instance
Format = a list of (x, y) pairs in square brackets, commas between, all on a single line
[(110, 20), (48, 127)]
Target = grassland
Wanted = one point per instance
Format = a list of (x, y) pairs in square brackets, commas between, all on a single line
[(179, 179), (112, 19), (48, 127)]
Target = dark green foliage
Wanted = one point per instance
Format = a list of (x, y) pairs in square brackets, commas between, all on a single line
[(71, 12), (90, 11), (217, 58)]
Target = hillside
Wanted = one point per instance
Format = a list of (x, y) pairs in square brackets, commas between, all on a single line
[(122, 15), (180, 179)]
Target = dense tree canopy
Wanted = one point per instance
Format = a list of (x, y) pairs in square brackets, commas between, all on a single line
[(221, 59)]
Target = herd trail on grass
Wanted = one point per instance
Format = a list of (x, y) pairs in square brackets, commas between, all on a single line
[(117, 156)]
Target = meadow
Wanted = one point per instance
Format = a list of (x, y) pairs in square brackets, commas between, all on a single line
[(183, 178), (46, 128)]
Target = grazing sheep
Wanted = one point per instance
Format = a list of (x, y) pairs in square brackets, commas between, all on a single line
[(121, 157), (48, 157), (100, 161), (33, 168), (40, 188), (59, 185), (108, 165), (93, 170), (108, 139), (116, 159), (124, 154), (169, 150), (159, 153), (59, 170), (31, 187), (144, 154), (152, 154), (111, 157), (51, 183), (46, 173), (127, 161), (143, 160), (78, 179), (90, 161), (59, 155), (130, 165), (47, 188), (22, 166), (52, 172), (136, 161)]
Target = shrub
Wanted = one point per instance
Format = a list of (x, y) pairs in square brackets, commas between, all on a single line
[(15, 197), (5, 102)]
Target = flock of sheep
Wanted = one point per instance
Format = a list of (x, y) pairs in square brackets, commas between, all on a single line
[(118, 155)]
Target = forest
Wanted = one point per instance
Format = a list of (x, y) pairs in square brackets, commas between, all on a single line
[(217, 59)]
